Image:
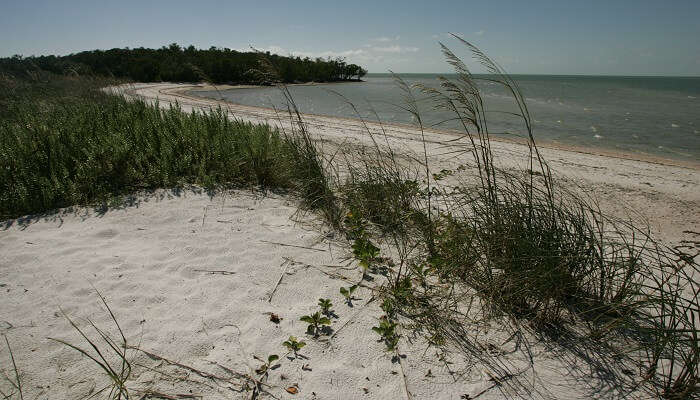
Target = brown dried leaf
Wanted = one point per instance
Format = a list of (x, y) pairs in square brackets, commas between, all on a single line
[(292, 390)]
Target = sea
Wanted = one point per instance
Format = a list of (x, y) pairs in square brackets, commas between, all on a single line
[(657, 117)]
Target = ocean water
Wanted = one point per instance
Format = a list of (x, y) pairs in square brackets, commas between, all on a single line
[(645, 116)]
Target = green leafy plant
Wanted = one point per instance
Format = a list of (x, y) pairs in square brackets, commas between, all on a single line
[(347, 293), (388, 307), (266, 366), (421, 273), (293, 345), (354, 226), (316, 322), (365, 251), (387, 330), (325, 305)]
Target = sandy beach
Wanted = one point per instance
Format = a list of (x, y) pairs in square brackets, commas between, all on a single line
[(193, 279), (663, 191)]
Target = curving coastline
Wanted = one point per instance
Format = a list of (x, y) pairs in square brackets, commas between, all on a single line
[(665, 195)]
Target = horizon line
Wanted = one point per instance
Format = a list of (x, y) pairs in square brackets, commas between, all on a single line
[(545, 74)]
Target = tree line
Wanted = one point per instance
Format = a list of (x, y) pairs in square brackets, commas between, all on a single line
[(189, 64)]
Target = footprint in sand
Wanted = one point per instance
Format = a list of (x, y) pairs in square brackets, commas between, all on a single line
[(107, 234)]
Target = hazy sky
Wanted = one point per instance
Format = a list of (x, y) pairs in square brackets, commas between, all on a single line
[(609, 37)]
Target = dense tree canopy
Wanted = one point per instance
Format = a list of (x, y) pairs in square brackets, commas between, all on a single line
[(178, 64)]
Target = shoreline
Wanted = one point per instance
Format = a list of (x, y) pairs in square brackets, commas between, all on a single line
[(664, 194), (595, 151)]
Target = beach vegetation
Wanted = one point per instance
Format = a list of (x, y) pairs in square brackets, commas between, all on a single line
[(15, 381), (386, 329), (294, 345), (317, 322), (518, 247), (107, 353), (264, 369), (347, 293), (325, 305), (64, 142)]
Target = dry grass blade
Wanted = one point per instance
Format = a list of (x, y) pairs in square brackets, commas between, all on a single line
[(17, 383), (118, 375)]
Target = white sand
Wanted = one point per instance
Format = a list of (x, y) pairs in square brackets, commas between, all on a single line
[(150, 261)]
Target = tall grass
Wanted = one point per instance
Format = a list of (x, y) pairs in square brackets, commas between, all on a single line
[(524, 248), (63, 142)]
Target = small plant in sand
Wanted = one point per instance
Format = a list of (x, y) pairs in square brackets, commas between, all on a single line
[(119, 368), (266, 366), (422, 272), (354, 226), (326, 305), (387, 330), (365, 251), (293, 345), (316, 323), (347, 293)]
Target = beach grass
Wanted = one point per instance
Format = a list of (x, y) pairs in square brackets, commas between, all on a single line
[(64, 142), (14, 381), (525, 249), (107, 354)]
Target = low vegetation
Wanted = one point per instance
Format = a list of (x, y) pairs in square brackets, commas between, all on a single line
[(64, 142), (294, 345), (108, 354)]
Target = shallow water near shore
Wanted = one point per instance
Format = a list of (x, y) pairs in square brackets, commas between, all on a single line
[(647, 116)]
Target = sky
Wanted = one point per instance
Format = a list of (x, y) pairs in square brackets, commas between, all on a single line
[(589, 37)]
